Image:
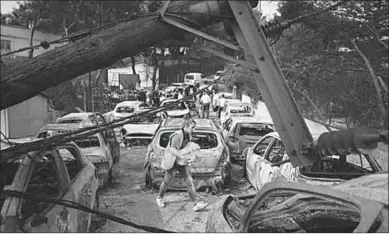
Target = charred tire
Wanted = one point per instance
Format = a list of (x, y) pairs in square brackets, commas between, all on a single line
[(96, 220), (110, 177), (227, 171), (148, 179)]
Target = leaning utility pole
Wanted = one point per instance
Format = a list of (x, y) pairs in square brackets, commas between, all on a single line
[(102, 49)]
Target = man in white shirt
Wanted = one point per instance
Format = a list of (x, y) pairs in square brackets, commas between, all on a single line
[(215, 101), (180, 95), (205, 102), (222, 103)]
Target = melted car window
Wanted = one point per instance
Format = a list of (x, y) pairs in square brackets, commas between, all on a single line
[(177, 106), (125, 109), (72, 162), (69, 121), (253, 129), (44, 181), (261, 147), (204, 140), (88, 142)]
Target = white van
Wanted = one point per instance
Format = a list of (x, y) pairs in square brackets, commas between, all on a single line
[(193, 78)]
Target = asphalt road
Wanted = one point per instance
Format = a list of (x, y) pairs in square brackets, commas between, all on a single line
[(127, 198)]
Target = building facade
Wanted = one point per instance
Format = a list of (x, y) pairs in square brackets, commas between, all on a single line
[(26, 118), (15, 37)]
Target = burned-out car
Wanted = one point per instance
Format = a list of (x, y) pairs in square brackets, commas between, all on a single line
[(264, 158), (236, 109), (243, 132), (178, 110), (81, 120), (212, 167), (95, 147), (60, 172), (267, 161), (126, 109), (139, 132), (357, 205)]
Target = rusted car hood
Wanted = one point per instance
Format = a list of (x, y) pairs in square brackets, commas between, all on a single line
[(140, 128), (206, 161), (95, 154)]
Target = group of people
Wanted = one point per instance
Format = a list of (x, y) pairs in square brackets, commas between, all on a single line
[(152, 98), (212, 100)]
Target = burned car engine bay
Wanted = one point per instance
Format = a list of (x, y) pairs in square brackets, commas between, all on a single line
[(344, 167)]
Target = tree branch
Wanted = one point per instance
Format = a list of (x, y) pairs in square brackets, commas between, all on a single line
[(374, 76), (323, 120), (99, 50), (377, 36)]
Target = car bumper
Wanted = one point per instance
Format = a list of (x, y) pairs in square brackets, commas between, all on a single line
[(201, 180), (238, 158), (132, 141)]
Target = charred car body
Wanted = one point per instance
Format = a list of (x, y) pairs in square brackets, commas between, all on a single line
[(236, 109), (81, 120), (178, 110), (126, 109), (212, 167), (242, 132), (264, 164), (95, 147), (357, 205), (60, 172)]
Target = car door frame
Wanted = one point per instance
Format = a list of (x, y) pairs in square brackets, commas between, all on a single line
[(64, 187), (262, 158), (80, 188), (110, 138)]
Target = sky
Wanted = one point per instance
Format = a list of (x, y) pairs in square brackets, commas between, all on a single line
[(6, 6), (268, 7)]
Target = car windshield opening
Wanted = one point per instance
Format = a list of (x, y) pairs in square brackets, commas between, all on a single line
[(336, 167), (88, 142), (254, 129), (204, 139), (125, 109), (69, 121), (8, 171), (189, 77), (176, 106)]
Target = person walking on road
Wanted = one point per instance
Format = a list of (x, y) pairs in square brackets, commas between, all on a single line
[(222, 103), (205, 102), (178, 141), (141, 96), (215, 101)]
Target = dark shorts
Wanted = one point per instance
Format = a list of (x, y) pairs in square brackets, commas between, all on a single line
[(182, 170)]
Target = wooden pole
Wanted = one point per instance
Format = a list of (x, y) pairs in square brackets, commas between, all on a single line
[(100, 50)]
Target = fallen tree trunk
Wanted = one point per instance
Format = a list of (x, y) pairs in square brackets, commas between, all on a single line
[(100, 50)]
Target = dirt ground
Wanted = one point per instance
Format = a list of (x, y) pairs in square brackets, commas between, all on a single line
[(127, 198)]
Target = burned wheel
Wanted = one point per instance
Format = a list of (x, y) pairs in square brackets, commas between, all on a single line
[(110, 177), (148, 179)]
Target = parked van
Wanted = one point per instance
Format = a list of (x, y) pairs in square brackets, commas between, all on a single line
[(193, 78)]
